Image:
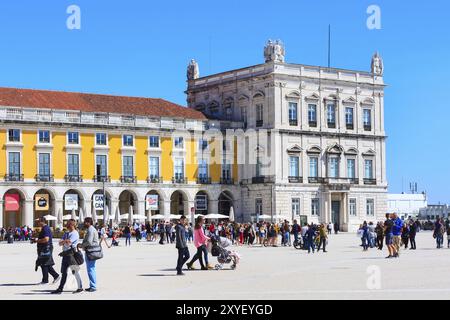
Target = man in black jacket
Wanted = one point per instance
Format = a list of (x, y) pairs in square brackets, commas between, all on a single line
[(181, 245), (45, 252)]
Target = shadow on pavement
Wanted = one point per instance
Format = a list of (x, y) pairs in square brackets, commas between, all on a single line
[(18, 284)]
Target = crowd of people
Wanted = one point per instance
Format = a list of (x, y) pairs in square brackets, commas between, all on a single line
[(394, 233)]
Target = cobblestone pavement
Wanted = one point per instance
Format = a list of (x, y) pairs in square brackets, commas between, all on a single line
[(146, 271)]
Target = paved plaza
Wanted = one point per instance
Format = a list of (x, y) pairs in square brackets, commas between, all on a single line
[(146, 271)]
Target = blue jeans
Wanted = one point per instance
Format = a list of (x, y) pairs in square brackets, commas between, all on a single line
[(128, 239), (90, 266), (311, 245), (286, 238)]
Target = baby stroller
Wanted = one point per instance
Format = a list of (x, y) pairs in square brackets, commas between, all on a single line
[(223, 255)]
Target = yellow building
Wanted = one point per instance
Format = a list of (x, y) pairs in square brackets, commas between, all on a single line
[(61, 152)]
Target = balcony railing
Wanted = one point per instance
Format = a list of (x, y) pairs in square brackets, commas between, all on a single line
[(371, 182), (204, 180), (154, 179), (226, 181), (350, 126), (332, 125), (128, 179), (293, 123), (102, 178), (313, 124), (295, 179), (180, 180), (73, 178), (315, 180), (259, 123), (367, 127), (14, 177), (263, 179), (44, 178)]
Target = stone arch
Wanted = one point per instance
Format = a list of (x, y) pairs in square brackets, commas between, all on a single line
[(179, 202), (226, 200), (44, 203), (15, 216)]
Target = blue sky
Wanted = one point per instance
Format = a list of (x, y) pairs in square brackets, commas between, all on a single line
[(142, 47)]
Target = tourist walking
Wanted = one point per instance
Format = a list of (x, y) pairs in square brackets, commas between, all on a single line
[(181, 245), (296, 230), (379, 230), (365, 236), (330, 227), (45, 252), (322, 238), (310, 237), (200, 242), (412, 235), (405, 235), (397, 232), (90, 242), (388, 225), (336, 228), (127, 234), (438, 233), (69, 242)]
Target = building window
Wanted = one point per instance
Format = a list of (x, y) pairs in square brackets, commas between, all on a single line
[(370, 207), (14, 163), (14, 135), (179, 168), (258, 206), (226, 171), (258, 166), (127, 166), (293, 115), (73, 164), (153, 141), (313, 167), (351, 168), (127, 140), (44, 164), (368, 169), (352, 207), (315, 207), (259, 115), (244, 116), (179, 143), (100, 139), (295, 205), (312, 115), (331, 115), (73, 138), (333, 167), (367, 118), (294, 166), (44, 136), (154, 167), (202, 144), (202, 169), (349, 118), (101, 165)]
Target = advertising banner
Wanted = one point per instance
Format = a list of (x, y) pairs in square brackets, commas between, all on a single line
[(12, 202), (42, 202), (71, 202), (151, 202), (98, 202), (201, 202)]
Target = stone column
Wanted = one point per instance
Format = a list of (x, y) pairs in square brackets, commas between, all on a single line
[(344, 208), (141, 208), (28, 213), (213, 206)]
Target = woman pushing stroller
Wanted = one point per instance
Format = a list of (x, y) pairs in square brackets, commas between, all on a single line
[(200, 242)]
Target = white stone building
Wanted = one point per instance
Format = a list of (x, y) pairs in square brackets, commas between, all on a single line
[(322, 156), (407, 205)]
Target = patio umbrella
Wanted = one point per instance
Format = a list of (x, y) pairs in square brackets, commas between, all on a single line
[(130, 215), (264, 217), (175, 216), (60, 218), (117, 216), (81, 214), (106, 216), (158, 217), (67, 217), (231, 214), (50, 217), (94, 214), (73, 215), (215, 216)]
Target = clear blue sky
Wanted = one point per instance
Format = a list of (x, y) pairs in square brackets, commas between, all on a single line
[(142, 47)]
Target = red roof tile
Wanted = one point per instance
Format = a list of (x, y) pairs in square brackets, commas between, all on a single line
[(95, 103)]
